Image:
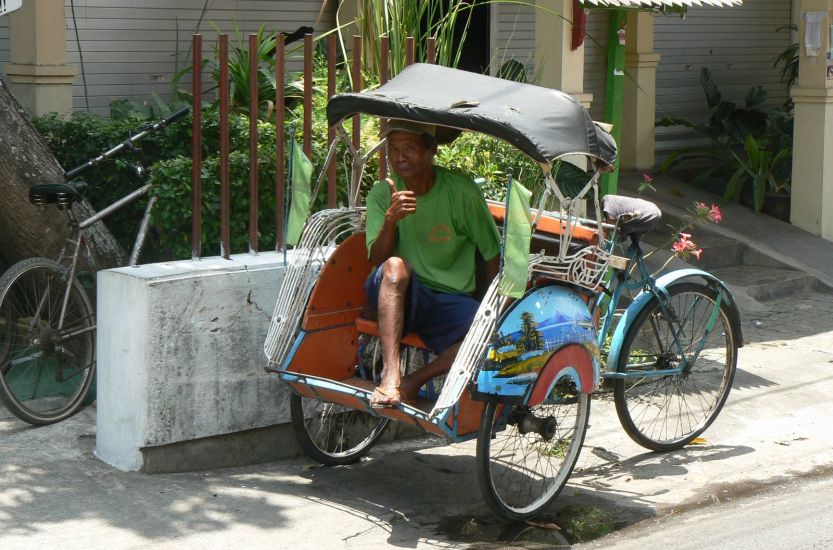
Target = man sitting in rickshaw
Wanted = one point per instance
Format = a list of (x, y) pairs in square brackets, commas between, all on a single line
[(426, 221)]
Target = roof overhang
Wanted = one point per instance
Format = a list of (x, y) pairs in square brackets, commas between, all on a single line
[(660, 5)]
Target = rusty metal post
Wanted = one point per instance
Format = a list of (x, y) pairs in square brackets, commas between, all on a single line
[(331, 134), (357, 87), (308, 95), (432, 49), (280, 150), (196, 149), (410, 48), (253, 117), (384, 58), (225, 210)]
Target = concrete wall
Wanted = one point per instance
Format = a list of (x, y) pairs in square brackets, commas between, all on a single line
[(180, 360)]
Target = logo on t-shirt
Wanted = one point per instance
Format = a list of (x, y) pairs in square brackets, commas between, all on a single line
[(440, 233)]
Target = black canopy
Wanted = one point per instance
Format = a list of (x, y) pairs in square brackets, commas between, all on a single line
[(543, 123)]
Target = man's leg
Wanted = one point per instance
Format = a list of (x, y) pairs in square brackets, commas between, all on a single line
[(410, 385), (396, 274), (442, 326)]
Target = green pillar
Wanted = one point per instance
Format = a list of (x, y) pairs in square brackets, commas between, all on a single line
[(614, 89)]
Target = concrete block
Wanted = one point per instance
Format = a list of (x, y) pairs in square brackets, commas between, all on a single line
[(180, 355)]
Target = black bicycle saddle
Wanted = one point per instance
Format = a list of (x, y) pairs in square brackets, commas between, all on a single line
[(62, 194), (632, 215)]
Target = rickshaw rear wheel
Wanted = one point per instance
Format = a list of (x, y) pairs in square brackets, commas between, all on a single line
[(525, 454), (331, 434)]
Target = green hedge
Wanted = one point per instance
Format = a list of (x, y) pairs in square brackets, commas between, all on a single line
[(83, 136)]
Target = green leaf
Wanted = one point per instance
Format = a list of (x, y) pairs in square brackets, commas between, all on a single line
[(755, 96), (752, 151), (759, 190), (733, 188), (713, 96)]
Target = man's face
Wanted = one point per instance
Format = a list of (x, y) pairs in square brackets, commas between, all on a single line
[(409, 156)]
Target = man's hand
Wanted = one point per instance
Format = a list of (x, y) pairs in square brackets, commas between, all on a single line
[(402, 203)]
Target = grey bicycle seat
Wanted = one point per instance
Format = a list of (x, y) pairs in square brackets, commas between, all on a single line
[(62, 194), (633, 216)]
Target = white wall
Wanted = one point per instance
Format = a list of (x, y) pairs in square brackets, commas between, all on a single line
[(738, 45), (514, 36), (130, 49), (4, 40), (595, 61)]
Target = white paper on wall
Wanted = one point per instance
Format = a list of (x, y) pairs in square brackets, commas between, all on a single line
[(812, 32)]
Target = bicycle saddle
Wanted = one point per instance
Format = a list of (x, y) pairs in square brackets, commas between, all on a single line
[(633, 216), (62, 194)]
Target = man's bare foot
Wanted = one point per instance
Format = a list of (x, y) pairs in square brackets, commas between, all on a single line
[(385, 398)]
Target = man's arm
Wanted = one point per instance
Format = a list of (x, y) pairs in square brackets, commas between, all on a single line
[(402, 204), (493, 268)]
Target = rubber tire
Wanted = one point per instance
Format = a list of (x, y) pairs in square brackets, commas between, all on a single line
[(630, 406), (13, 283), (487, 438), (334, 456)]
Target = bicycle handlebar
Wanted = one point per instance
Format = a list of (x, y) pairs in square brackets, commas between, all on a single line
[(128, 143)]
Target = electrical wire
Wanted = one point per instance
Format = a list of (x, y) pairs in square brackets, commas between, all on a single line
[(80, 56)]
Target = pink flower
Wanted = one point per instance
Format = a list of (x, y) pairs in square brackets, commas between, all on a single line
[(647, 178), (715, 214), (685, 246)]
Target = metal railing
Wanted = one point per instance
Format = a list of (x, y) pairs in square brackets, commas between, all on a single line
[(280, 188)]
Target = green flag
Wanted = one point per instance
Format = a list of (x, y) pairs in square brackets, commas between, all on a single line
[(517, 235), (300, 176)]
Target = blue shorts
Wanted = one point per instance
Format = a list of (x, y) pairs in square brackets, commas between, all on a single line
[(440, 318)]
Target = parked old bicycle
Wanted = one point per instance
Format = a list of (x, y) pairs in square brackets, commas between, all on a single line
[(47, 316), (522, 379)]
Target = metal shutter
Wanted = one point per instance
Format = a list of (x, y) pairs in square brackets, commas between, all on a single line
[(738, 45)]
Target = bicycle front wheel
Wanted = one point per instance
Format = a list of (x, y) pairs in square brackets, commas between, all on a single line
[(332, 434), (525, 454), (666, 412), (47, 353)]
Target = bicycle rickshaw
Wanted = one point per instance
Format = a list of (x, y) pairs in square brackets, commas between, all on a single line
[(522, 380)]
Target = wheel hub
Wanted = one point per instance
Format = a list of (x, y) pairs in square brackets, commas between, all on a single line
[(45, 339), (527, 422)]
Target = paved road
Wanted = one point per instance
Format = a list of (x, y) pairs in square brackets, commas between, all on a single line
[(796, 515)]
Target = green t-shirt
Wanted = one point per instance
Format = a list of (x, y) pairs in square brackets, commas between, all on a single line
[(440, 238)]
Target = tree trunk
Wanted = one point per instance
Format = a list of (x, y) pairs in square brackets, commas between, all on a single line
[(27, 230)]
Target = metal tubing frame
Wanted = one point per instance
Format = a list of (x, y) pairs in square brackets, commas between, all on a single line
[(647, 283), (140, 236), (103, 213)]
